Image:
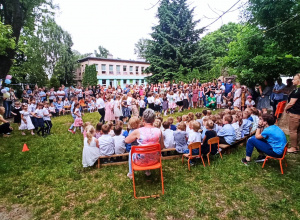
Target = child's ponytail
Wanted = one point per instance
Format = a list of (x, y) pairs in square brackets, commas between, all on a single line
[(90, 130)]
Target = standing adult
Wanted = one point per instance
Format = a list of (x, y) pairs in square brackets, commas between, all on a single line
[(264, 99), (293, 108), (228, 87), (195, 95), (278, 94), (51, 95), (100, 106), (7, 101), (237, 96)]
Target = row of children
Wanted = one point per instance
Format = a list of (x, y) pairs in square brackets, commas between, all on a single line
[(33, 117), (229, 126)]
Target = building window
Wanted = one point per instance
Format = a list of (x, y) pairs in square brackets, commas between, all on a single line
[(111, 69), (118, 69), (142, 69), (137, 70), (143, 81), (131, 81), (124, 81), (124, 68), (103, 68), (96, 65), (131, 69), (103, 82)]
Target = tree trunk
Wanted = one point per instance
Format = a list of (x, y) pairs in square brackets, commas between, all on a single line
[(5, 65), (14, 15)]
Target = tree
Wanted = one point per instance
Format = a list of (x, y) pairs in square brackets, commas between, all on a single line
[(280, 21), (90, 76), (54, 82), (45, 52), (19, 15), (140, 48), (103, 52), (6, 40), (174, 41), (255, 58)]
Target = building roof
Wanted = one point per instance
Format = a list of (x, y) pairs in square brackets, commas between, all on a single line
[(112, 60)]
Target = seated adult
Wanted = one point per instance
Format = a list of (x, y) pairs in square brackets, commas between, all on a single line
[(5, 128), (212, 102), (228, 100), (144, 136), (269, 139)]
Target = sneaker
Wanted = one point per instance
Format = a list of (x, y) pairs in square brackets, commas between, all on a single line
[(148, 173), (260, 159), (246, 162), (129, 175), (70, 130), (73, 132)]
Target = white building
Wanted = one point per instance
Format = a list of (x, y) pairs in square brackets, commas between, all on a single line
[(114, 71)]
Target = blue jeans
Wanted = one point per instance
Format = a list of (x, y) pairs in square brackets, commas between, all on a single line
[(261, 146), (7, 106), (194, 151), (72, 125), (129, 162), (204, 100)]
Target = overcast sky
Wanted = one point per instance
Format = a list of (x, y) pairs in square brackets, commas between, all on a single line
[(118, 24)]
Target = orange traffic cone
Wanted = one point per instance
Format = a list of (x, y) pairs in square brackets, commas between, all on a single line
[(25, 148)]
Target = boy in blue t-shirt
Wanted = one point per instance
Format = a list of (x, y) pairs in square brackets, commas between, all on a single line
[(227, 132)]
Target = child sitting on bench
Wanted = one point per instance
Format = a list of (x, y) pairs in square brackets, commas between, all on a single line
[(227, 133)]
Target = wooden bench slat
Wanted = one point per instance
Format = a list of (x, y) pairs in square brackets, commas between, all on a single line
[(112, 156), (224, 146)]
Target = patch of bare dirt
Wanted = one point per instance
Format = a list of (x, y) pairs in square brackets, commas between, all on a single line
[(15, 212)]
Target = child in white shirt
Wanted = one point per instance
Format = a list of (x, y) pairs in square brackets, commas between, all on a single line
[(106, 142), (119, 141), (168, 135)]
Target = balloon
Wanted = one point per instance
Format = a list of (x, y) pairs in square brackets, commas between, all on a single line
[(3, 90), (7, 81), (7, 89), (8, 77)]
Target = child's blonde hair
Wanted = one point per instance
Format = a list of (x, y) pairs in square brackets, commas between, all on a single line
[(86, 124), (134, 122), (191, 116), (184, 118), (209, 112), (157, 123), (179, 118), (210, 124), (181, 126), (170, 120), (2, 110), (90, 130), (196, 125)]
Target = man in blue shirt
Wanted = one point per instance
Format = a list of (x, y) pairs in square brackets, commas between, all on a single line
[(278, 94), (42, 94), (228, 87), (269, 139)]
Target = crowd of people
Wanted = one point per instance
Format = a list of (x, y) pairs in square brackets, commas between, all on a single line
[(139, 108)]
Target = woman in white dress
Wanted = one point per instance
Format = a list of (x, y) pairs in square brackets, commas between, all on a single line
[(237, 96), (26, 123), (91, 151), (117, 108)]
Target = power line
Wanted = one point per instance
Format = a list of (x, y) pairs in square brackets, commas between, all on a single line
[(147, 9), (222, 14), (264, 31)]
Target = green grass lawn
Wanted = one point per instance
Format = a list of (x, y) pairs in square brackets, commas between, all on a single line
[(50, 181)]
